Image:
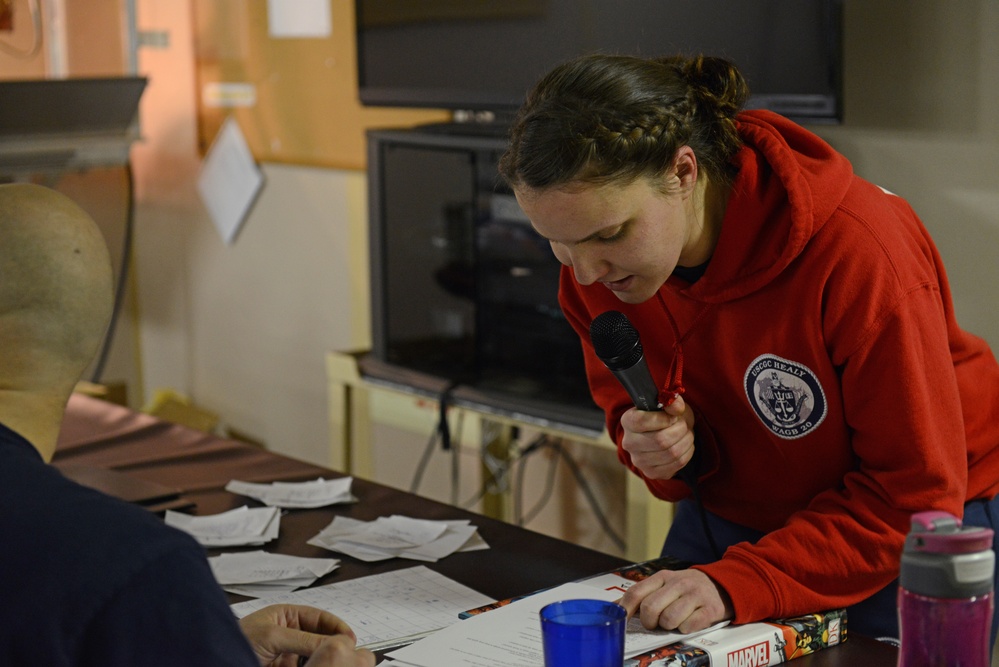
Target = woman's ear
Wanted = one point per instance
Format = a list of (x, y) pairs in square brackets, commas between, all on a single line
[(683, 172)]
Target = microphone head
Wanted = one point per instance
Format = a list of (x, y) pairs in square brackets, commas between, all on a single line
[(615, 340)]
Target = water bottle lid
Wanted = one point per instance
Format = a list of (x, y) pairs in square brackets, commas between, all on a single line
[(943, 533), (944, 559)]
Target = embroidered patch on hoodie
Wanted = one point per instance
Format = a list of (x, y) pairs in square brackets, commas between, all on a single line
[(786, 396)]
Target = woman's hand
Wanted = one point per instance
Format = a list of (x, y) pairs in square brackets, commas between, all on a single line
[(660, 443), (681, 600)]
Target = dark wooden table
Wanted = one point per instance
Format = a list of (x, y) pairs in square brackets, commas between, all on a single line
[(519, 561)]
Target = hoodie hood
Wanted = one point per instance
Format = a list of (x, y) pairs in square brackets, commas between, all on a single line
[(789, 183)]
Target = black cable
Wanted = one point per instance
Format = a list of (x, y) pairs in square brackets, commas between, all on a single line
[(443, 428), (494, 483), (455, 463), (545, 441), (120, 288), (441, 433), (468, 504), (518, 500), (537, 444), (594, 505), (546, 494), (424, 459)]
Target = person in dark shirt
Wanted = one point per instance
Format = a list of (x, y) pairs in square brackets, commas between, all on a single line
[(89, 579)]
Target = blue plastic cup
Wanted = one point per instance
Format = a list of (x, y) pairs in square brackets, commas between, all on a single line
[(583, 633)]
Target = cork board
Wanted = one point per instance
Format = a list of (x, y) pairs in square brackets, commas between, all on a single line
[(295, 99)]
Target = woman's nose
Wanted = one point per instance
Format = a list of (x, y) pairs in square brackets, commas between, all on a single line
[(587, 267)]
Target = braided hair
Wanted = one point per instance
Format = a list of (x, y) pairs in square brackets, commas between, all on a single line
[(610, 118)]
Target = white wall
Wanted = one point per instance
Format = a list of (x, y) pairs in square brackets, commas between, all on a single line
[(922, 120), (242, 329)]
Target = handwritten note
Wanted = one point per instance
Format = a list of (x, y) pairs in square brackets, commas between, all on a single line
[(385, 609)]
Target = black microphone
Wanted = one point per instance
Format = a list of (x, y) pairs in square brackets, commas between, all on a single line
[(617, 345)]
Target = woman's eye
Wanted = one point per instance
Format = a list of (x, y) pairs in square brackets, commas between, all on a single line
[(612, 237)]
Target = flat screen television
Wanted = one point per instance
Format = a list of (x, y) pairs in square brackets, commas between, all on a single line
[(483, 55)]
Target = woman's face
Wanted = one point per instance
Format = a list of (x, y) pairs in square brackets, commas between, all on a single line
[(628, 238)]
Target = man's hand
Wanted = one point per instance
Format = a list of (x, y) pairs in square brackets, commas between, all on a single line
[(335, 652), (660, 443), (281, 633), (681, 600)]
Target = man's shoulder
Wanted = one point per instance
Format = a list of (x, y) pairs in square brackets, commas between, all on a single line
[(78, 535), (83, 568)]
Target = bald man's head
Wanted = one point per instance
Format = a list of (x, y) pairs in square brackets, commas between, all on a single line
[(56, 291)]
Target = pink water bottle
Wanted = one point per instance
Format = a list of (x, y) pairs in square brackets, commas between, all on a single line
[(945, 596)]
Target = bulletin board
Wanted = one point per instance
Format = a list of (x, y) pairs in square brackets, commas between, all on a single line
[(295, 99)]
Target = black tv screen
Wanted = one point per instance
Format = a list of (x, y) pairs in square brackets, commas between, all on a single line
[(483, 55)]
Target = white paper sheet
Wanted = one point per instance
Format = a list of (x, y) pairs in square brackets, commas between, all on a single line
[(397, 532), (299, 18), (510, 636), (297, 495), (239, 527), (260, 574), (385, 609), (397, 537), (229, 180)]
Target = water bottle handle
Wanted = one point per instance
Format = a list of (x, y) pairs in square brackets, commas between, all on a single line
[(935, 522)]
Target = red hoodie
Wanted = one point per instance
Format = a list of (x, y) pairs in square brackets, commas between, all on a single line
[(834, 392)]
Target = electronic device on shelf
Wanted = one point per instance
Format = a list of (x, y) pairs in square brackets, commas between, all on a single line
[(484, 55), (464, 293)]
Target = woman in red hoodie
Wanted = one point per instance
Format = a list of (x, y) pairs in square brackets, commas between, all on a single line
[(818, 388)]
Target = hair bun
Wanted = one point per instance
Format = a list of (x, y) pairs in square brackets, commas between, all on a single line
[(717, 83)]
